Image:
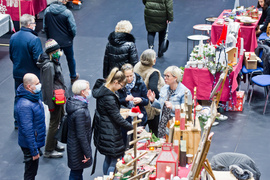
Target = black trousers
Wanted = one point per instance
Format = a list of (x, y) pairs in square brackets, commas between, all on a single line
[(31, 167), (151, 38), (153, 125)]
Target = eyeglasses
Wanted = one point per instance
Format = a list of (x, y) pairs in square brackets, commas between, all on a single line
[(167, 76), (33, 23), (121, 85)]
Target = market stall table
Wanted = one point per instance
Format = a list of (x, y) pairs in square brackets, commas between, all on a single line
[(203, 80), (31, 7), (248, 33)]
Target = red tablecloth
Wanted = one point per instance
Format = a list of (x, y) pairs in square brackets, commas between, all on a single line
[(203, 80), (32, 7), (248, 33), (183, 171)]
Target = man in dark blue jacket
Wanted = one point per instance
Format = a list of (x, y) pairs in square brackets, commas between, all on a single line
[(31, 122), (24, 50), (59, 24)]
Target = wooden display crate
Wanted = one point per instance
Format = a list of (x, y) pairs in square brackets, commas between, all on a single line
[(191, 134)]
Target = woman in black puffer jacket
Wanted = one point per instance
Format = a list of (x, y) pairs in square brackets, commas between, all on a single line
[(79, 130), (108, 120), (121, 48)]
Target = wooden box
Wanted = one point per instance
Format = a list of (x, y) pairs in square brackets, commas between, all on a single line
[(251, 60), (191, 134)]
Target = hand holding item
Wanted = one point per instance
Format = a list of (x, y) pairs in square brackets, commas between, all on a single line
[(168, 104), (36, 157), (85, 159), (129, 98), (137, 100), (151, 95)]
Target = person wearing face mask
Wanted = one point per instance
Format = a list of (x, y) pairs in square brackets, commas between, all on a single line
[(79, 130), (24, 50), (31, 123), (52, 78)]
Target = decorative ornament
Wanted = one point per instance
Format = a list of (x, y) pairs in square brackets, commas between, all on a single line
[(3, 8)]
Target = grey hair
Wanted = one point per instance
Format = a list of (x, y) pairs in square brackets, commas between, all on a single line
[(26, 19), (147, 57), (175, 71), (123, 26), (79, 86)]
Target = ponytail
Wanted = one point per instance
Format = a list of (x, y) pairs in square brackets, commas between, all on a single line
[(115, 74)]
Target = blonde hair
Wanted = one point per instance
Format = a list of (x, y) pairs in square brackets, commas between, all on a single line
[(175, 71), (126, 67), (147, 57), (123, 26), (117, 75), (79, 86)]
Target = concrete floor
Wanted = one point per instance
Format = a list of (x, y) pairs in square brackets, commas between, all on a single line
[(245, 132)]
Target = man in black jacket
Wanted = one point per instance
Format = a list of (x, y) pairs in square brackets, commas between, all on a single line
[(59, 24)]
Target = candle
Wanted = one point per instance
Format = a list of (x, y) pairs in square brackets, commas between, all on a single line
[(168, 172), (152, 177)]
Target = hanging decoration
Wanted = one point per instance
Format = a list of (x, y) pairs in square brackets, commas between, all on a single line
[(12, 3)]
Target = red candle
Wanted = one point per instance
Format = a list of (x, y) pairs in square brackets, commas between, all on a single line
[(168, 172), (152, 177)]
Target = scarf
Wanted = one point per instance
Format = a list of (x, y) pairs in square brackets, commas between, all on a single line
[(81, 98), (165, 117), (128, 88), (32, 97)]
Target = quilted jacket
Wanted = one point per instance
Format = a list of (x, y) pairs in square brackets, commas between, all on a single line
[(79, 134), (31, 121), (121, 49)]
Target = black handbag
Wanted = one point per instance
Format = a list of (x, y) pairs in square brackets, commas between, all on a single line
[(62, 132)]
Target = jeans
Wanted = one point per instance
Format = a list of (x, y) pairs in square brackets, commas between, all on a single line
[(151, 38), (31, 167), (68, 51), (109, 164), (17, 82), (56, 116), (76, 174)]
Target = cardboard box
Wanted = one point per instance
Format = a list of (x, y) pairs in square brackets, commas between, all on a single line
[(240, 95), (251, 60)]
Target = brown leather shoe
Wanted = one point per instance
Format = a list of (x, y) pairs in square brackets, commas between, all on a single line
[(75, 79)]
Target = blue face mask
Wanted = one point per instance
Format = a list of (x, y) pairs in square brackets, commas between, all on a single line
[(38, 88), (89, 94)]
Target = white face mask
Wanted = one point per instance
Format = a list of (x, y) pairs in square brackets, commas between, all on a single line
[(38, 88), (34, 28), (89, 94)]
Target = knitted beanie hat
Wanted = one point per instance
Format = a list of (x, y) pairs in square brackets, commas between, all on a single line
[(51, 45)]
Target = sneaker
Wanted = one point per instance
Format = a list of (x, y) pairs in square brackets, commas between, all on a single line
[(53, 154), (75, 79), (60, 148)]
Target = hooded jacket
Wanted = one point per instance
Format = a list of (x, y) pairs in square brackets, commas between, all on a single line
[(59, 24), (79, 134), (31, 120), (51, 78), (156, 14), (139, 90), (24, 50), (121, 49), (108, 122)]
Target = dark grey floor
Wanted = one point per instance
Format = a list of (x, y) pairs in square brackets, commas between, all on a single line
[(245, 132)]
